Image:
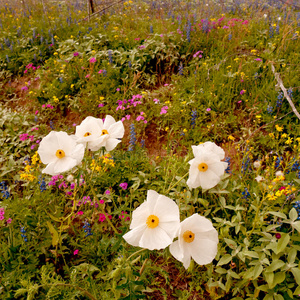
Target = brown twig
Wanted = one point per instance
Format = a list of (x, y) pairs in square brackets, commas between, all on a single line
[(288, 98)]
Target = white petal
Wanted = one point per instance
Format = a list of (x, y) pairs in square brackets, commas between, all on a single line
[(133, 236), (50, 169), (155, 238), (166, 209), (64, 164), (47, 148), (170, 228), (176, 250), (139, 215), (203, 251), (78, 153), (109, 120), (152, 197), (218, 167), (208, 179), (111, 144), (65, 142), (116, 130), (186, 260), (196, 223)]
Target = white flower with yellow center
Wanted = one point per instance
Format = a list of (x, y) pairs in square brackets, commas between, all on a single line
[(60, 152), (154, 223), (97, 133), (206, 168), (197, 239)]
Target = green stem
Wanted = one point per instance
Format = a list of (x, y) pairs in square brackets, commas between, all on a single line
[(102, 210), (176, 182), (137, 252)]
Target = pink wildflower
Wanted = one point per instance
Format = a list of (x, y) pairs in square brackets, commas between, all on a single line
[(123, 185), (76, 252), (8, 220), (93, 60)]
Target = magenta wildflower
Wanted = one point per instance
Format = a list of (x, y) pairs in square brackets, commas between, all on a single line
[(107, 192), (102, 217), (80, 213), (208, 109), (93, 60), (8, 220), (123, 185), (24, 88), (75, 54), (1, 217), (76, 252), (242, 92), (258, 59), (101, 201)]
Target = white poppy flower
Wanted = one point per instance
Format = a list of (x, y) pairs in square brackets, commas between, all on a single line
[(154, 223), (97, 133), (206, 168), (197, 239), (212, 147), (60, 152)]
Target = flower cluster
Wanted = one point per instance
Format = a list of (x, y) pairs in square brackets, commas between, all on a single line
[(4, 190), (156, 222), (62, 152)]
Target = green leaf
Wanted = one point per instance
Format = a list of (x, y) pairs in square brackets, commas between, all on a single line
[(292, 256), (278, 297), (296, 225), (279, 277), (276, 264), (251, 253), (282, 242), (269, 276), (230, 243), (54, 234), (257, 271), (293, 215), (224, 260), (277, 214), (296, 273)]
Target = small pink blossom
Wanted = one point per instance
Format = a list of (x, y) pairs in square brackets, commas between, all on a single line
[(101, 201), (8, 220), (80, 213), (107, 192), (123, 185), (93, 60), (76, 252), (100, 72), (242, 92), (75, 54), (100, 105), (1, 217), (208, 109), (88, 76)]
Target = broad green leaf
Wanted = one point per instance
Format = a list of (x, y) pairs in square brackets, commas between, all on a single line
[(269, 276), (54, 234), (293, 215), (277, 214), (257, 271), (292, 255), (224, 260), (282, 242), (230, 243), (268, 297), (296, 225), (276, 264), (279, 277), (296, 273), (251, 253), (278, 297)]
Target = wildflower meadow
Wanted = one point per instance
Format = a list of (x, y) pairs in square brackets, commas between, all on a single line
[(150, 149)]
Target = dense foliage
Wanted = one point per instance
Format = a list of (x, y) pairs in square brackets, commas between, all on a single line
[(176, 74)]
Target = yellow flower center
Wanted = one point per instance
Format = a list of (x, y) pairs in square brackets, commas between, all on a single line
[(87, 134), (188, 236), (152, 221), (104, 131), (202, 167), (60, 153)]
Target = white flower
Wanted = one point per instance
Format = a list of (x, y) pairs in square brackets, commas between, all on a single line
[(96, 133), (257, 164), (60, 152), (279, 173), (206, 168), (154, 223), (197, 239), (259, 178), (213, 148)]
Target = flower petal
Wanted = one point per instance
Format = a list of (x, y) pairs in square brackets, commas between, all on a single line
[(116, 130), (64, 164), (139, 215), (111, 144), (176, 250), (109, 120), (166, 209), (155, 238), (133, 236)]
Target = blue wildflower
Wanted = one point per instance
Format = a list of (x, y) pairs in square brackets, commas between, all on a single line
[(87, 228), (23, 235), (227, 159), (246, 194), (132, 140), (194, 117)]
